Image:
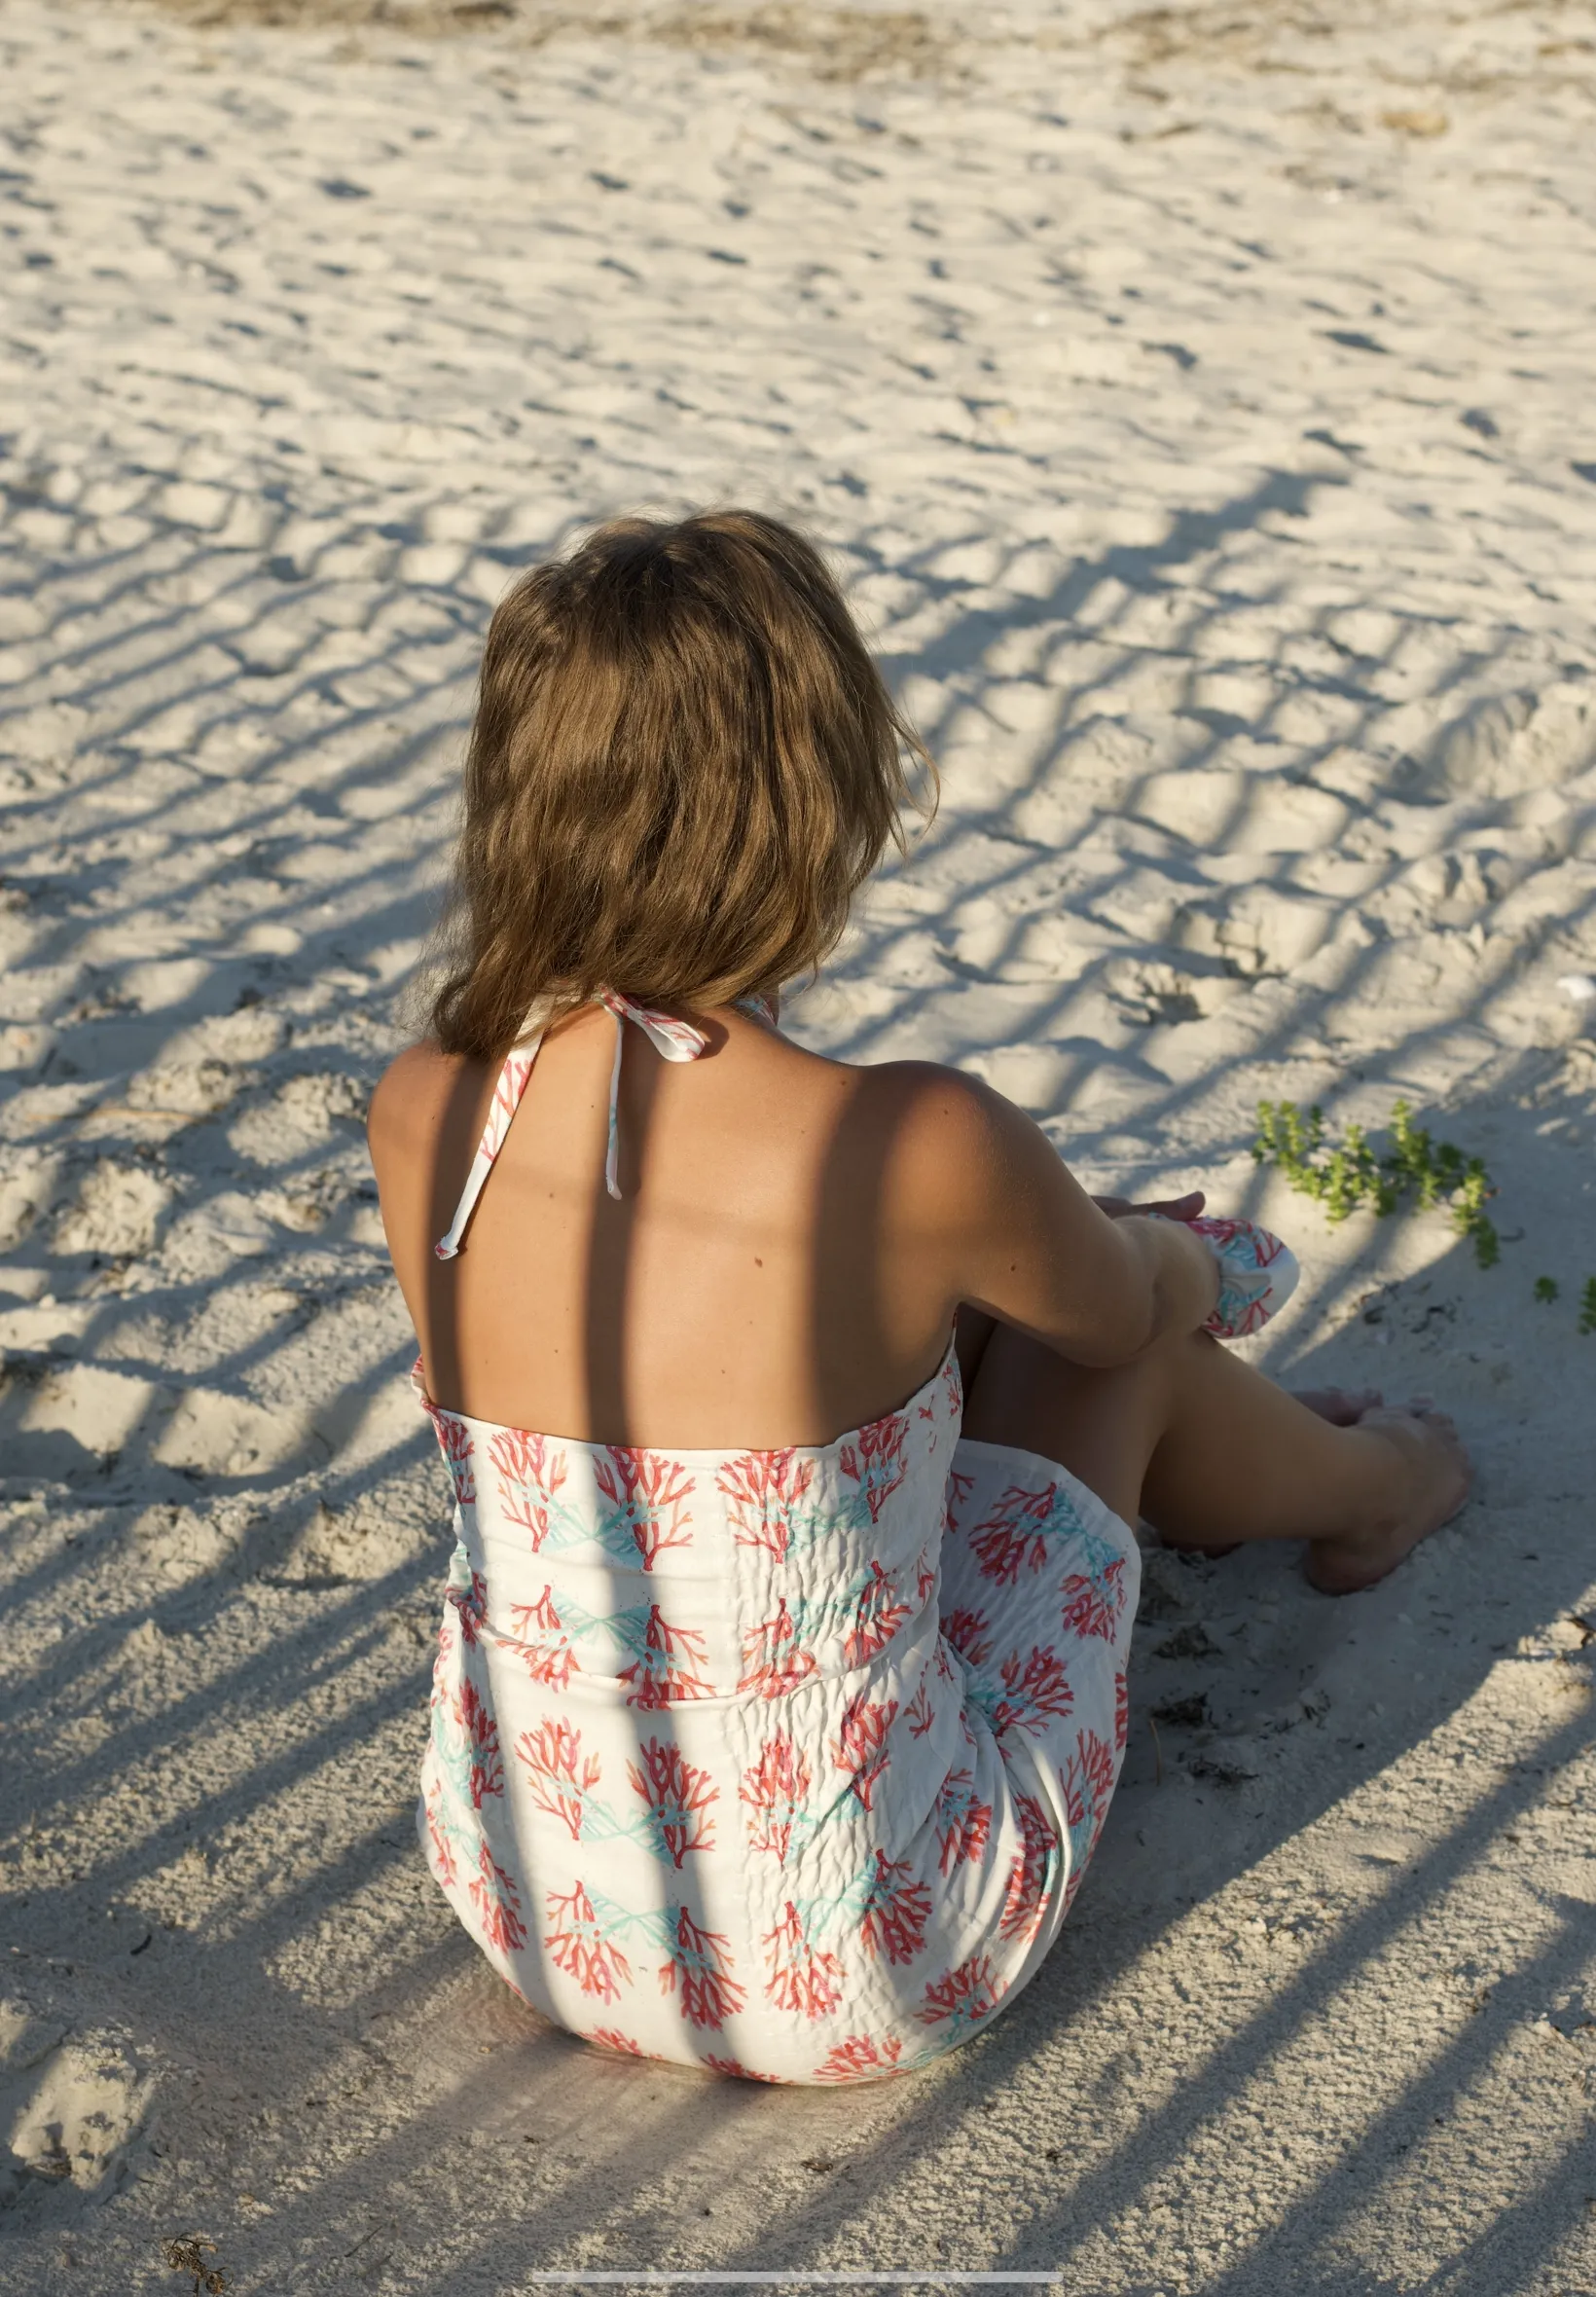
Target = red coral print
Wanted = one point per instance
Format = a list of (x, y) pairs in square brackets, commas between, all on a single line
[(964, 1997), (1088, 1784), (507, 1092), (475, 1718), (803, 1977), (766, 1490), (677, 1795), (861, 1746), (734, 2068), (875, 1461), (924, 1574), (561, 1775), (959, 1489), (1097, 1763), (953, 1397), (1027, 1895), (1122, 1713), (529, 1471), (962, 1823), (700, 1962), (776, 1790), (1034, 1689), (1089, 1780), (442, 1849), (470, 1606), (610, 2037), (1014, 1538), (859, 2057), (577, 1943), (649, 1491), (1093, 1601), (664, 1673), (920, 1714), (896, 1909), (775, 1661), (546, 1648), (969, 1634), (879, 1610), (497, 1908), (455, 1442)]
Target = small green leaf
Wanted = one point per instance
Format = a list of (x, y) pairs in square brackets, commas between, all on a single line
[(1346, 1176)]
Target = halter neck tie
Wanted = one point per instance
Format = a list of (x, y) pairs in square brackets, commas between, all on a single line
[(671, 1038)]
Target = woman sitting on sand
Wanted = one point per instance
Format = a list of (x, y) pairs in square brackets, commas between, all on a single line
[(798, 1414)]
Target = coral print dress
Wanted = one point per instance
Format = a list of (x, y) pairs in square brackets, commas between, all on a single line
[(785, 1763)]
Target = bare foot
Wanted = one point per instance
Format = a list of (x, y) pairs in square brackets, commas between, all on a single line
[(1343, 1407), (1428, 1495)]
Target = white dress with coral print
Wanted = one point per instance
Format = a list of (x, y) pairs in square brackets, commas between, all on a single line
[(785, 1764)]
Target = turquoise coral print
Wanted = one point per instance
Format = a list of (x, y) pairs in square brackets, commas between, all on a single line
[(778, 1820)]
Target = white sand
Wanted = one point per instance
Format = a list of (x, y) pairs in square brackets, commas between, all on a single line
[(1200, 401)]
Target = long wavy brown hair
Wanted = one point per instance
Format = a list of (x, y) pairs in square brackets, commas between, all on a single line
[(684, 763)]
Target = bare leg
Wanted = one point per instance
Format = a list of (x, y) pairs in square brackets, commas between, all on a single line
[(1343, 1407), (1213, 1453)]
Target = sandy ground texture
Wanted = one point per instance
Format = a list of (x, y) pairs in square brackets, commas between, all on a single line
[(1198, 400)]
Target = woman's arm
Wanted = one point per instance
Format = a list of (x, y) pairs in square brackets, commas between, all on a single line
[(1024, 1242)]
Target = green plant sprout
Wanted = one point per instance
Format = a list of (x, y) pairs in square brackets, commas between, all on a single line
[(1546, 1289), (1587, 1305), (1346, 1176)]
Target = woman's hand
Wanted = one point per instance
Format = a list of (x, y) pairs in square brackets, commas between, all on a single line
[(1178, 1210), (1174, 1208)]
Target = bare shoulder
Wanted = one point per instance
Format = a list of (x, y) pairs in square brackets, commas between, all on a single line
[(937, 1100), (927, 1094), (953, 1137), (413, 1096)]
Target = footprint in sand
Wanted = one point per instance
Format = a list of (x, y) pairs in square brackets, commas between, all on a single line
[(70, 2105)]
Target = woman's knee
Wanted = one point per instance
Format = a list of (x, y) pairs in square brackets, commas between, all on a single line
[(1100, 1423)]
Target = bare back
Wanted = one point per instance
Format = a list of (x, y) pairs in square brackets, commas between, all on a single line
[(767, 1277), (784, 1260)]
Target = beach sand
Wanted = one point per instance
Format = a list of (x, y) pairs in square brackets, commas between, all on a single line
[(1198, 402)]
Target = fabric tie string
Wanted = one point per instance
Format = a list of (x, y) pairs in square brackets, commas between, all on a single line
[(673, 1040)]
